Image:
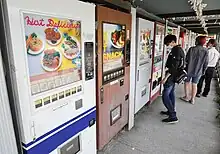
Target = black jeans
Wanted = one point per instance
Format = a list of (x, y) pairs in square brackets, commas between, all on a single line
[(208, 79)]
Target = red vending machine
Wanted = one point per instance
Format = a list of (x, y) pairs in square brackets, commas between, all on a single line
[(157, 60), (113, 34)]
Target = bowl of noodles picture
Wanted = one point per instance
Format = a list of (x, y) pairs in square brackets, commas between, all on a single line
[(117, 39), (34, 44), (51, 60)]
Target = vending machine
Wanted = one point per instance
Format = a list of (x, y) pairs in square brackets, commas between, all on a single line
[(157, 60), (190, 39), (182, 39), (113, 51), (53, 59), (187, 39), (145, 36)]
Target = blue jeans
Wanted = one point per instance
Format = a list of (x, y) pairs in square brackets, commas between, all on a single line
[(168, 97)]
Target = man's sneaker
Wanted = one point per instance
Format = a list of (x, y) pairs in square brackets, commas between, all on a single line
[(170, 120), (204, 95), (198, 95), (166, 113)]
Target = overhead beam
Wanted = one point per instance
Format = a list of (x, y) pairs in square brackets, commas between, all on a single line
[(195, 22), (210, 27), (187, 14), (122, 5), (149, 16), (199, 25), (210, 30), (194, 18)]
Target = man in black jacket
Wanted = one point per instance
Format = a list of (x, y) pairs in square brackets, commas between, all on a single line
[(175, 62)]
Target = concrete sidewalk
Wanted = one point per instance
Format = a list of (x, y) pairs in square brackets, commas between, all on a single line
[(196, 133)]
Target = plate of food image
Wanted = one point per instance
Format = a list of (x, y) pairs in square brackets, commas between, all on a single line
[(51, 60), (71, 47), (53, 36), (34, 44), (118, 38)]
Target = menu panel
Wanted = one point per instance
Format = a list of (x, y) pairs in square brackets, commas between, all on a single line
[(53, 48)]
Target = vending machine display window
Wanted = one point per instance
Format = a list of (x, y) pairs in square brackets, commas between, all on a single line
[(114, 36), (53, 51), (145, 46), (158, 58)]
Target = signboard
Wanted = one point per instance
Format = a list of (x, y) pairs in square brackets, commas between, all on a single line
[(53, 48), (145, 46), (114, 36)]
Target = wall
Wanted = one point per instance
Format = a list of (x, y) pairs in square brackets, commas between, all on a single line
[(7, 136)]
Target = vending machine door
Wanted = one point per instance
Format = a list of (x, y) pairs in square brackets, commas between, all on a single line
[(113, 35), (145, 35), (53, 54)]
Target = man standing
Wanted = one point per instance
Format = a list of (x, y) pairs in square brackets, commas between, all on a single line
[(213, 59), (174, 62), (196, 65)]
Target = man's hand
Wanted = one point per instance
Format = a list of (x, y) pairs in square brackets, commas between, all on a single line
[(163, 81)]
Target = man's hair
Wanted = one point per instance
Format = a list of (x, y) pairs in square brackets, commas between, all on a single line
[(213, 42), (201, 40), (169, 38)]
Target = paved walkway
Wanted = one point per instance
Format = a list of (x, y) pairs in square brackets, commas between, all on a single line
[(196, 133)]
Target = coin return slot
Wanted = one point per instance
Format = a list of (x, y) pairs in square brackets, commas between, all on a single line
[(78, 104)]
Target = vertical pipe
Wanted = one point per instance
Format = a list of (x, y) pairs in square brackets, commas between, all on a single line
[(132, 70)]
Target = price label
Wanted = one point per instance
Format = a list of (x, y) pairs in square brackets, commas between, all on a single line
[(68, 93), (73, 90), (61, 95), (54, 97), (47, 100), (38, 103)]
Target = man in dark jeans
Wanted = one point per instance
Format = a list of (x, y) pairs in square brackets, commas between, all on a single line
[(175, 61), (213, 59)]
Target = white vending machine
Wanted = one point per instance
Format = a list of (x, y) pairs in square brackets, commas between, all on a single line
[(145, 36), (53, 44)]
